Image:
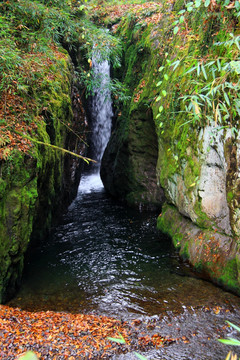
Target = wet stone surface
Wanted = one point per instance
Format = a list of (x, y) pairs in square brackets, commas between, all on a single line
[(106, 259)]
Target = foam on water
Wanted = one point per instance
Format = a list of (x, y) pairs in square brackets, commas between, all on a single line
[(90, 183)]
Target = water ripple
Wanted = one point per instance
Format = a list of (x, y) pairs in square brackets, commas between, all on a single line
[(111, 260)]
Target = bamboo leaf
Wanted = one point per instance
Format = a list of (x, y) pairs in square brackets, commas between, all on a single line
[(198, 68), (236, 42), (189, 9), (208, 101), (120, 340), (230, 341), (234, 326), (175, 30), (141, 357), (210, 63), (176, 63), (204, 71), (186, 122), (181, 20), (198, 3), (29, 355), (219, 65), (190, 70), (235, 65), (196, 108), (226, 98), (216, 114)]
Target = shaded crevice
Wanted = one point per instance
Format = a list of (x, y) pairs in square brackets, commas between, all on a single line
[(128, 168)]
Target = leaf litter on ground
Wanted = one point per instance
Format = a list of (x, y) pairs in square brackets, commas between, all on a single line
[(56, 336)]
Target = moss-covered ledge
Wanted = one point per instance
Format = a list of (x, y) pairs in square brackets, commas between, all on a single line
[(212, 254)]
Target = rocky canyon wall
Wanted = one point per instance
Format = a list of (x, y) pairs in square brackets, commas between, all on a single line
[(171, 146), (36, 186)]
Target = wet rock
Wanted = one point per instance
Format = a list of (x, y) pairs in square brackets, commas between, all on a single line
[(35, 187), (204, 198), (215, 256), (128, 168)]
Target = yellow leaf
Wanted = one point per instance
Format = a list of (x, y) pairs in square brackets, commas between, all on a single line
[(216, 114), (196, 108)]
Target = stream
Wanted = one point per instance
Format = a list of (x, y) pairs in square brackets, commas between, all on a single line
[(104, 258), (107, 259)]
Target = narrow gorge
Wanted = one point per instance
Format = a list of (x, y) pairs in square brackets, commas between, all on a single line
[(119, 154)]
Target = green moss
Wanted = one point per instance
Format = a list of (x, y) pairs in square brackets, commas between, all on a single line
[(199, 267), (16, 214), (32, 184), (169, 223), (184, 252), (179, 148), (230, 196), (229, 278), (191, 173), (3, 185), (202, 220), (179, 5), (162, 223), (197, 251)]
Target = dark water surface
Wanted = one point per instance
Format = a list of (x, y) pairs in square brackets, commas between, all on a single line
[(108, 259)]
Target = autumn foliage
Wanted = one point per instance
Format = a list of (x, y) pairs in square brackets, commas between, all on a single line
[(59, 336), (19, 109), (146, 13), (31, 59)]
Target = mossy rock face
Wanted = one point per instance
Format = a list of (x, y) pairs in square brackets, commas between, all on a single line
[(16, 218), (35, 187), (115, 166), (129, 163), (231, 151), (195, 182), (128, 167), (213, 255), (197, 162)]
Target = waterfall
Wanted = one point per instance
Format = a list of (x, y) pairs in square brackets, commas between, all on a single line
[(101, 109)]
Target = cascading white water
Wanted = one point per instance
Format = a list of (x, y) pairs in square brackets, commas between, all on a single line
[(101, 109)]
